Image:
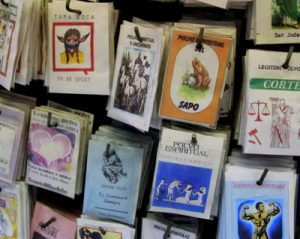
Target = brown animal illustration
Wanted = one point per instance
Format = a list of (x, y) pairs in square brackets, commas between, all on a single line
[(201, 74)]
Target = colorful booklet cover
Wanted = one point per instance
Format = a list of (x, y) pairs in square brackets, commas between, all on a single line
[(83, 141), (270, 119), (88, 120), (48, 223), (258, 211), (92, 229), (186, 174), (194, 79), (112, 181), (53, 152)]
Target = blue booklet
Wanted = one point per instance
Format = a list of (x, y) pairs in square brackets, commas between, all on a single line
[(112, 180), (186, 173)]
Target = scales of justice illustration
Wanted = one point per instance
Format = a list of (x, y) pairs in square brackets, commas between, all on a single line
[(255, 109)]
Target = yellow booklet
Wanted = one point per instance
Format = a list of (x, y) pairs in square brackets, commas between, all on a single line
[(194, 79)]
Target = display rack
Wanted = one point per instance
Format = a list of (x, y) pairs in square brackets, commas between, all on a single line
[(154, 11)]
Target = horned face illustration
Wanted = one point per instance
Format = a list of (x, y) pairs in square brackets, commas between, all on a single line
[(71, 41)]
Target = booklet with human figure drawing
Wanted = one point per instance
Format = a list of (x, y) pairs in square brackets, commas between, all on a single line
[(186, 173)]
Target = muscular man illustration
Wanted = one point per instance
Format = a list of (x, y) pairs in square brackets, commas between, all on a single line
[(260, 219)]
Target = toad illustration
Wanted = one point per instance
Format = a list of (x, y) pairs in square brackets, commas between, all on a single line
[(201, 75)]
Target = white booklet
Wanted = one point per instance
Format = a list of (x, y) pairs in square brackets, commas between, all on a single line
[(270, 120), (136, 75), (186, 173), (79, 48)]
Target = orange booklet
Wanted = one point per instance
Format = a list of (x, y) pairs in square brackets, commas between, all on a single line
[(194, 78)]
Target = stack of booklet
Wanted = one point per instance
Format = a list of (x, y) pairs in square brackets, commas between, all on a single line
[(76, 63), (38, 41), (196, 73), (217, 27), (258, 199), (23, 42), (269, 121), (57, 148), (14, 23), (14, 121), (31, 58), (156, 121), (116, 175), (136, 74), (188, 171)]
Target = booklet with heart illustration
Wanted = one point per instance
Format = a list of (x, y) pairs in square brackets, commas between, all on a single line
[(53, 151), (88, 120), (84, 120)]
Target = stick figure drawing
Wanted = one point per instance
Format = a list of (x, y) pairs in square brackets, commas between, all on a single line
[(175, 184), (71, 40)]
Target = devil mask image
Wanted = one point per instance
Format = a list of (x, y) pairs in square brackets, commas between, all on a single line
[(71, 41)]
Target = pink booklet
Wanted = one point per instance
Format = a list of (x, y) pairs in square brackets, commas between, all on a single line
[(48, 223)]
